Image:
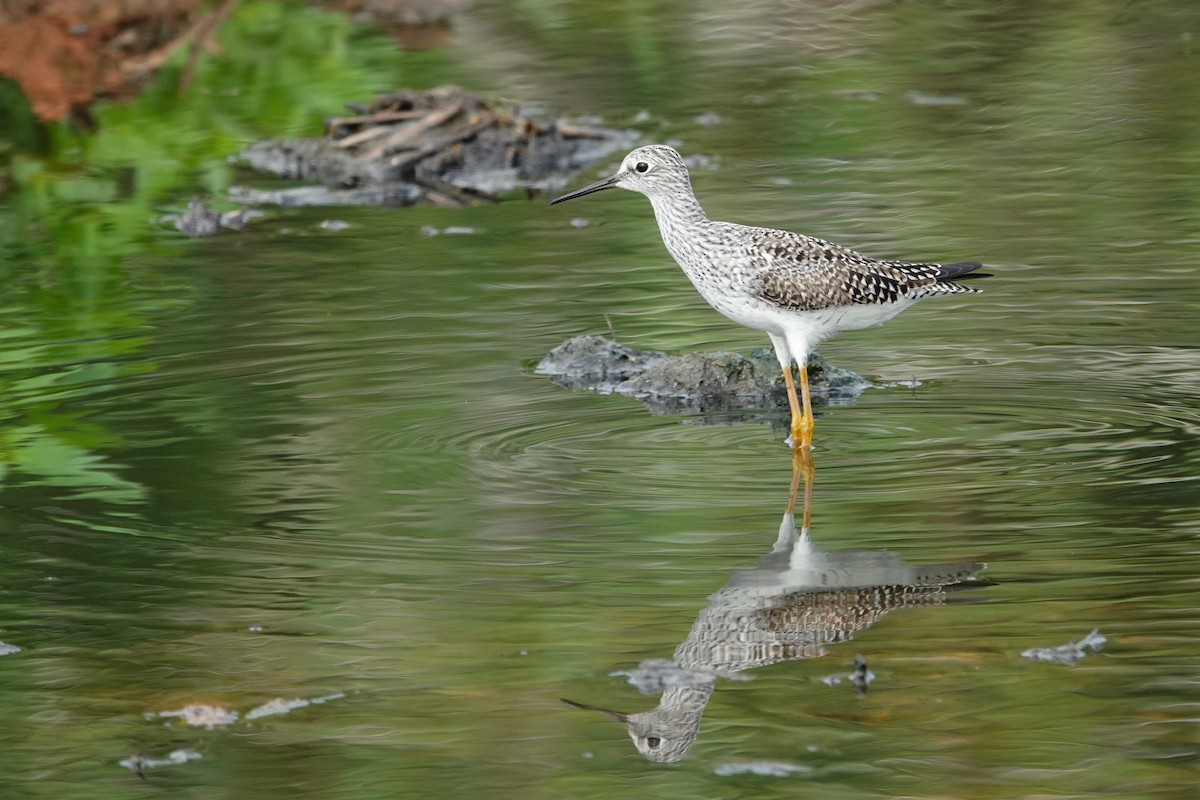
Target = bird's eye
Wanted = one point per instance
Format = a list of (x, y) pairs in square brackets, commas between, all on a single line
[(641, 166), (653, 741)]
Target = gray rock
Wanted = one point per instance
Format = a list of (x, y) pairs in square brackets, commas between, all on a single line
[(693, 382), (201, 220)]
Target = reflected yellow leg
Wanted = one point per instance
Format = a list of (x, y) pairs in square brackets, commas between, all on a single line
[(802, 467), (802, 416)]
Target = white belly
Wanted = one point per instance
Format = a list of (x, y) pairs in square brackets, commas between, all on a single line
[(796, 334), (819, 324)]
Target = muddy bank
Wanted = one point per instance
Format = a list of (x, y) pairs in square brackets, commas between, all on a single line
[(701, 383), (445, 146), (66, 53), (63, 54)]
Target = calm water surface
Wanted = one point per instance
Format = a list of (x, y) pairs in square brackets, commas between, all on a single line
[(298, 464)]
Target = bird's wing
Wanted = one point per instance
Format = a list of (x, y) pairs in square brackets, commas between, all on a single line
[(803, 273)]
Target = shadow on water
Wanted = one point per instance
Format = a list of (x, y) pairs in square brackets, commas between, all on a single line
[(799, 600)]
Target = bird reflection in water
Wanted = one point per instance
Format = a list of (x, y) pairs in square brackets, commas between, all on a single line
[(796, 602)]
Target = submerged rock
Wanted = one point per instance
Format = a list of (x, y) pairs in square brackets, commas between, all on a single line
[(693, 382), (445, 146), (201, 220), (861, 678)]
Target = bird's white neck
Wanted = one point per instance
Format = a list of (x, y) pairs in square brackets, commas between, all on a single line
[(679, 208), (679, 218)]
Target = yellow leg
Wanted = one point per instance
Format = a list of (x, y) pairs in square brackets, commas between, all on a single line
[(802, 416), (809, 420), (791, 393)]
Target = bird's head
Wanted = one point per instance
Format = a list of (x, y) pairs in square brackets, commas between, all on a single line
[(652, 170)]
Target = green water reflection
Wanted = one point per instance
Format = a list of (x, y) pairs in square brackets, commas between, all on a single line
[(800, 601), (293, 463)]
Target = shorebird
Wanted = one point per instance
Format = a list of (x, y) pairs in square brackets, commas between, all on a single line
[(798, 289)]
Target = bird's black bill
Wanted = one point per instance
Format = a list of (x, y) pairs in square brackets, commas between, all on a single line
[(961, 271), (617, 715), (598, 186)]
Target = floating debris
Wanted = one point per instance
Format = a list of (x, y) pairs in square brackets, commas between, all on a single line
[(924, 99), (206, 716), (452, 230), (1068, 653), (709, 118), (334, 225), (202, 716), (693, 382), (769, 769), (445, 146), (8, 649), (140, 763), (860, 678), (282, 706), (858, 94)]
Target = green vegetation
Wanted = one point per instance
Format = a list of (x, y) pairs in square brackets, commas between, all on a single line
[(81, 236)]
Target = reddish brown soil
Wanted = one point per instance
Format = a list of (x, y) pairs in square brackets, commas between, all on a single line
[(63, 53)]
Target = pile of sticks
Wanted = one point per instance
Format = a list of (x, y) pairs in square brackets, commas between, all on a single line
[(445, 146)]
